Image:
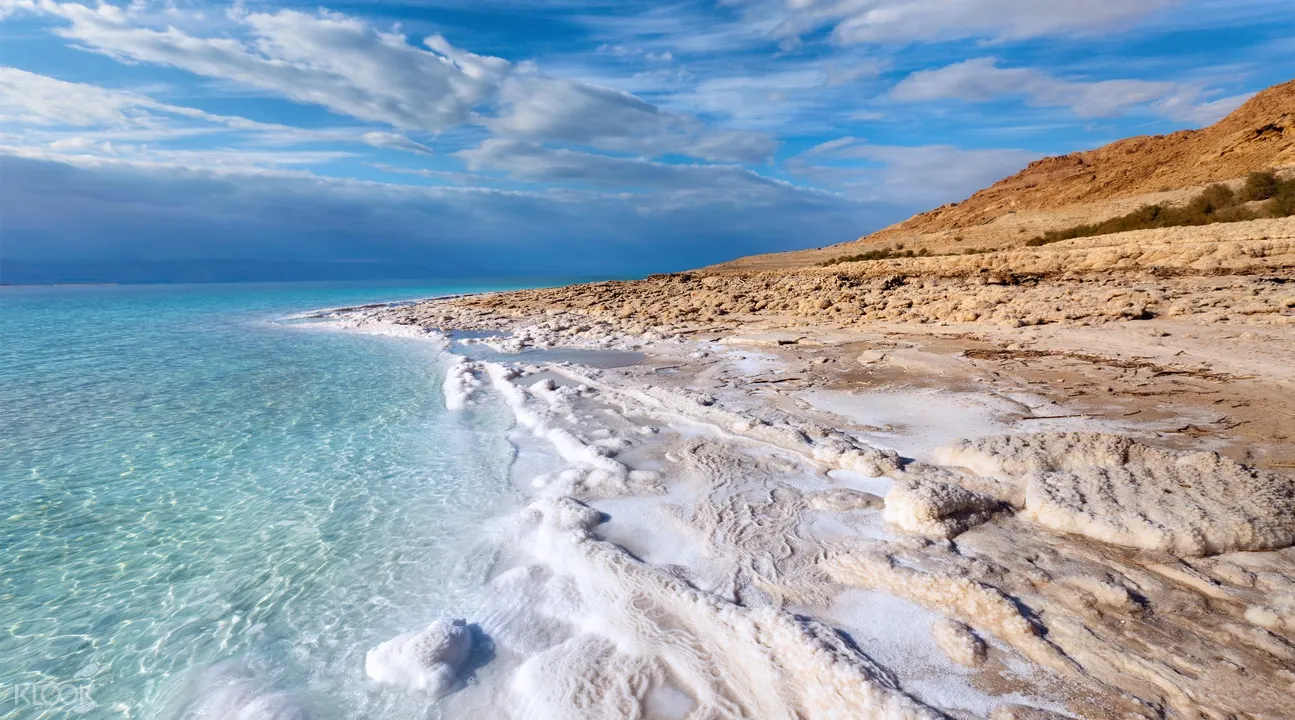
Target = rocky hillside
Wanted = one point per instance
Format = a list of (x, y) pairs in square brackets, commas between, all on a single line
[(1091, 185)]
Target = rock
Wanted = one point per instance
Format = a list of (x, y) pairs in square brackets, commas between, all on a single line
[(927, 504), (426, 661)]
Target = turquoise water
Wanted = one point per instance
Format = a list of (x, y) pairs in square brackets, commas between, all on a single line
[(206, 511)]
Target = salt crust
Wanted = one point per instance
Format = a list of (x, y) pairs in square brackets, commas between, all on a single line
[(926, 503), (461, 382), (733, 661), (426, 661), (959, 642), (604, 670), (1114, 489)]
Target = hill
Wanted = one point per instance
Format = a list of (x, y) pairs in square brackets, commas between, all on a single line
[(1087, 186)]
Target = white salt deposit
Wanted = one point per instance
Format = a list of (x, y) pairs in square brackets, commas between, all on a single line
[(878, 486), (643, 633), (963, 598), (460, 383), (571, 448), (1116, 490), (928, 503), (678, 606), (426, 661), (365, 324), (959, 642), (901, 635), (915, 422)]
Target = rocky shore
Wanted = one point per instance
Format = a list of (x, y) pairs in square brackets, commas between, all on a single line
[(1069, 468)]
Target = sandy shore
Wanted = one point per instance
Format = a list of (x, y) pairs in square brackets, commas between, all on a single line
[(763, 516)]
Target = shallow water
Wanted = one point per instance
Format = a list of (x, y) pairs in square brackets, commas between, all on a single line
[(207, 511)]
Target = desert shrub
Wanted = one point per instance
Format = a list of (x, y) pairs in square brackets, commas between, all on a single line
[(879, 254), (1216, 203), (1213, 199), (1282, 203), (1259, 186)]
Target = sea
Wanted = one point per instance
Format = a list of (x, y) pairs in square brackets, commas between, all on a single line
[(213, 511)]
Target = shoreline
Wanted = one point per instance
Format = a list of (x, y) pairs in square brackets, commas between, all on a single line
[(852, 479)]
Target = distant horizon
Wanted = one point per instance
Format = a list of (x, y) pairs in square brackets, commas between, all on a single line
[(375, 280)]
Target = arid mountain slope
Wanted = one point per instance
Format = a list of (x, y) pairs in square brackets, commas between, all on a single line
[(1087, 186)]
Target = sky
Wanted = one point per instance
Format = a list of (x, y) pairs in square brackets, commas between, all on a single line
[(191, 140)]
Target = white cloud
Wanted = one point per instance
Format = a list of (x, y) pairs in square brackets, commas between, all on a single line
[(534, 162), (903, 21), (325, 59), (90, 153), (395, 141), (921, 176), (34, 99), (552, 109), (343, 64), (800, 93), (68, 115), (1189, 108), (981, 80)]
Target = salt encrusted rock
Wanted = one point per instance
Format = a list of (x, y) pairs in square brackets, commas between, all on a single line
[(927, 504), (959, 642), (427, 661), (571, 514), (1278, 614), (1116, 490), (844, 453)]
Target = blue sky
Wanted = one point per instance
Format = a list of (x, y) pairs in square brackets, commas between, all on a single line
[(511, 137)]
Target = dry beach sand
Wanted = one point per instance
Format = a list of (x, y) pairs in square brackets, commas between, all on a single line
[(1036, 482)]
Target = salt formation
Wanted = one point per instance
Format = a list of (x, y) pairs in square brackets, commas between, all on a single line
[(1278, 614), (585, 629), (842, 500), (569, 447), (1114, 489), (644, 632), (371, 322), (973, 602), (959, 642), (925, 504), (460, 383), (775, 427), (426, 661)]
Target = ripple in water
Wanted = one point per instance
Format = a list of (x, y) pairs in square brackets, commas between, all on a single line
[(208, 515)]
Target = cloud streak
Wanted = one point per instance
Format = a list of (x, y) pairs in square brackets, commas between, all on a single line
[(982, 80), (923, 175), (903, 21)]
